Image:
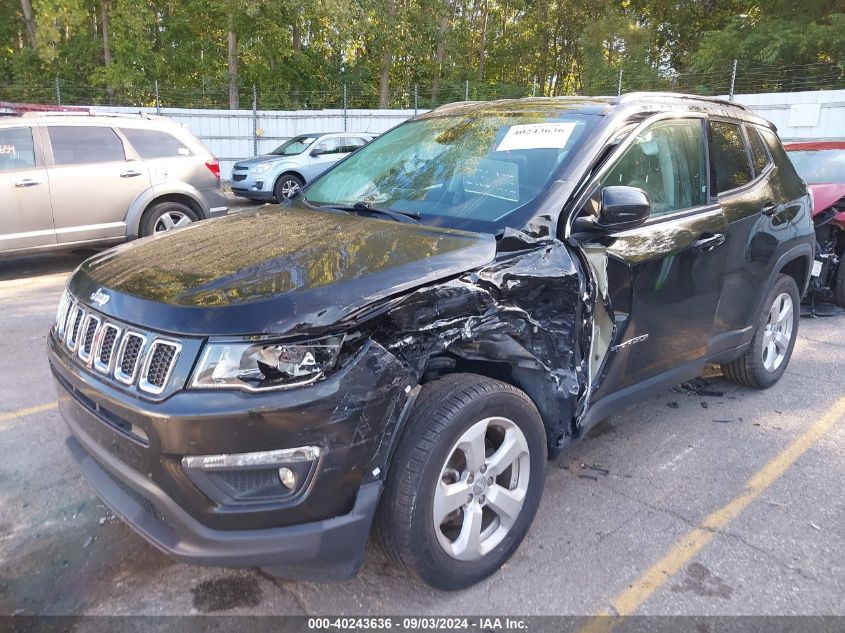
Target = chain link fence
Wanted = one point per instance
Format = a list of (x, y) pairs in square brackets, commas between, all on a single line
[(740, 77)]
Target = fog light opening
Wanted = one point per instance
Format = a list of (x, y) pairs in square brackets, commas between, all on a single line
[(288, 478)]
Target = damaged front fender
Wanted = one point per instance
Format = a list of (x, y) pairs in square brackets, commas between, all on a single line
[(520, 319)]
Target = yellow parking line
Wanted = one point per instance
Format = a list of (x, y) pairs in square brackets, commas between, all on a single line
[(28, 411), (632, 598)]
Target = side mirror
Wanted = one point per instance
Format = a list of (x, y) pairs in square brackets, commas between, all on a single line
[(622, 208), (316, 152)]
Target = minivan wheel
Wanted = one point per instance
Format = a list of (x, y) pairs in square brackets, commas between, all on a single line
[(466, 480), (766, 359), (287, 186), (166, 216)]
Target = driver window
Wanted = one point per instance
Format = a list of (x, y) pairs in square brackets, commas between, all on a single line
[(668, 161)]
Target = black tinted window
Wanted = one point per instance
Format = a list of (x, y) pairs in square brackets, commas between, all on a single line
[(668, 162), (155, 143), (16, 148), (85, 144), (731, 168), (758, 151)]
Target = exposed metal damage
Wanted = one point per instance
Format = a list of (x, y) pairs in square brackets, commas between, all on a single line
[(520, 319)]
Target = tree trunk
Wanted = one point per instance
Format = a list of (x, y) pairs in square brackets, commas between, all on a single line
[(386, 57), (297, 51), (107, 60), (234, 98), (544, 48), (439, 54), (483, 43), (29, 21)]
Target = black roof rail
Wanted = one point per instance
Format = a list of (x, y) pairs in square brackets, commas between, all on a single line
[(658, 96)]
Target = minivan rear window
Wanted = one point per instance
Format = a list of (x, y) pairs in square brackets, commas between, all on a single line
[(730, 164), (85, 144), (16, 148), (155, 143)]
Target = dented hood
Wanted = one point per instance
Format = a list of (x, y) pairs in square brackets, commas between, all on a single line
[(277, 270), (826, 195)]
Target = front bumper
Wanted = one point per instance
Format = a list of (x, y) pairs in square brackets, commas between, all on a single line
[(253, 186), (332, 548), (321, 530)]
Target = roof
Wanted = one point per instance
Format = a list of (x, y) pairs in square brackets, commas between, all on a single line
[(808, 146), (636, 101)]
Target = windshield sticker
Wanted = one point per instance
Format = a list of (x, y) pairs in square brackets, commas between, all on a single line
[(537, 136), (495, 178)]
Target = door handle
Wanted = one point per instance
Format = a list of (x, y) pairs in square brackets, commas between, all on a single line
[(709, 243), (27, 182), (769, 209), (130, 174)]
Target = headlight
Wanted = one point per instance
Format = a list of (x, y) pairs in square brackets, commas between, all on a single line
[(264, 366), (260, 168)]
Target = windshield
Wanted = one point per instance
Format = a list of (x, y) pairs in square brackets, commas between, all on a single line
[(474, 171), (819, 167), (296, 145)]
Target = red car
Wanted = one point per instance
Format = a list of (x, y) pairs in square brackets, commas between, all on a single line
[(822, 165)]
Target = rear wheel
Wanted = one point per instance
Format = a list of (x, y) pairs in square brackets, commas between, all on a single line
[(466, 481), (287, 186), (166, 216), (766, 359)]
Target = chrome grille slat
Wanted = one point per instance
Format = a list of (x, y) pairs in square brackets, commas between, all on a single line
[(128, 357), (74, 324), (133, 358), (159, 363), (109, 338), (88, 336)]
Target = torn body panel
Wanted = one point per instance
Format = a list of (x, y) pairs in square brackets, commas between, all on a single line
[(519, 319)]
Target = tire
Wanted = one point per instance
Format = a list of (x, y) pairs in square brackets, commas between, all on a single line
[(445, 411), (765, 360), (287, 186), (159, 216), (839, 283)]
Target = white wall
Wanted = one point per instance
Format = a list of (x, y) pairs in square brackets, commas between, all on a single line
[(228, 133), (819, 114)]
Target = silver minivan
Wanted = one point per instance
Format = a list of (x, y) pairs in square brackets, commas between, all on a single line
[(69, 180)]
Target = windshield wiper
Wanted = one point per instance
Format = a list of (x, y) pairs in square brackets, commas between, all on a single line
[(366, 207)]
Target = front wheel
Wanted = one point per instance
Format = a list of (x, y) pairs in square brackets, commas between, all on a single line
[(466, 481), (287, 186), (766, 359)]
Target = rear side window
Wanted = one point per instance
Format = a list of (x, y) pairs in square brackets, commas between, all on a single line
[(759, 155), (82, 145), (668, 162), (155, 143), (351, 143), (16, 148), (329, 146), (730, 165)]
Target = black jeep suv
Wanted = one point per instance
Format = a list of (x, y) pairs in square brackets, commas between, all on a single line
[(405, 343)]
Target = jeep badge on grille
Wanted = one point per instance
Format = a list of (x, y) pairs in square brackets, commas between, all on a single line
[(100, 298)]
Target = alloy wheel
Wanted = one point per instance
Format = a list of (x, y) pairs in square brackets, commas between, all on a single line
[(289, 188), (171, 220), (778, 332), (481, 488)]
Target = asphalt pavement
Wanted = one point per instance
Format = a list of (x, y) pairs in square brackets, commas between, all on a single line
[(695, 502)]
